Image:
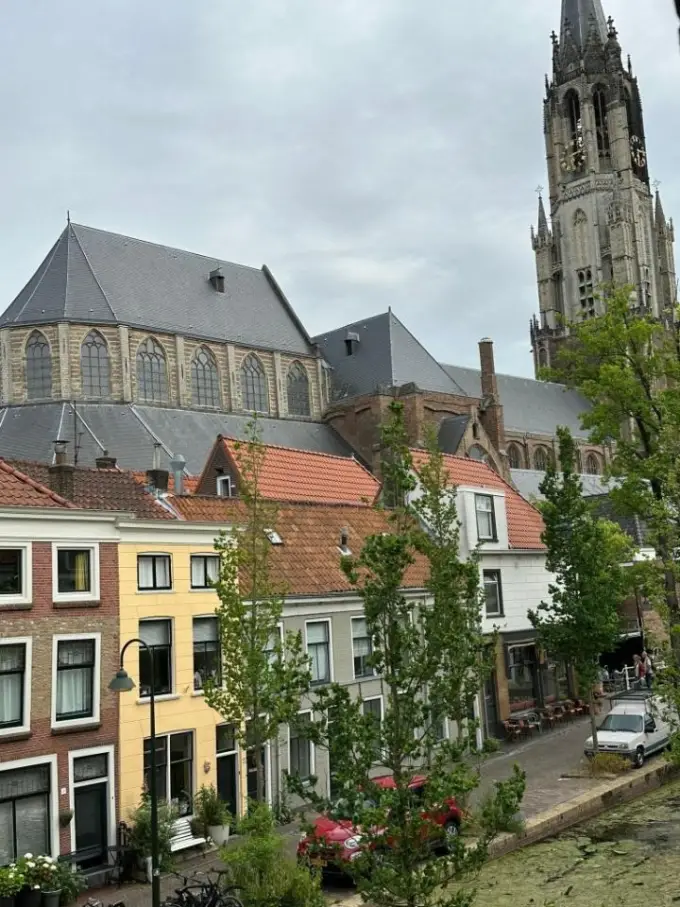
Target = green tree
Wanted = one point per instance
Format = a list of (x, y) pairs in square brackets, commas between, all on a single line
[(627, 364), (264, 675), (430, 658), (587, 555)]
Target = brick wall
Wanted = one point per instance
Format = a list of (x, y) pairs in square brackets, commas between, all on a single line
[(42, 620)]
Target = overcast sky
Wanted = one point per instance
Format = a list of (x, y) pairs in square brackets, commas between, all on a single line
[(371, 152)]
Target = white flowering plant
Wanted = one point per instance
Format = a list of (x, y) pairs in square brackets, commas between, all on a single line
[(11, 880), (40, 872)]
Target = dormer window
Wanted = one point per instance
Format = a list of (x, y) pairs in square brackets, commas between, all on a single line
[(273, 536), (351, 343), (343, 547), (225, 487), (217, 280), (486, 518)]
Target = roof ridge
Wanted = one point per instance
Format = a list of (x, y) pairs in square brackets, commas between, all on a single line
[(147, 242), (47, 262), (314, 453), (475, 368), (94, 276), (391, 316), (346, 327), (37, 486)]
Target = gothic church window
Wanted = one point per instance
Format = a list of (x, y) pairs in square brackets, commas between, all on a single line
[(585, 293), (514, 456), (94, 366), (646, 288), (601, 123), (574, 153), (592, 465), (543, 357), (205, 379), (581, 237), (38, 367), (254, 390), (297, 384), (152, 372), (541, 459)]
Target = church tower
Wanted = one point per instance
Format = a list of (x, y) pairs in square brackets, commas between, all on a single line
[(604, 225)]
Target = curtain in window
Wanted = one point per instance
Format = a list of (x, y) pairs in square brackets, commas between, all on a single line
[(11, 683), (162, 572), (74, 683), (317, 643), (82, 571), (145, 572), (6, 834), (205, 629), (155, 632)]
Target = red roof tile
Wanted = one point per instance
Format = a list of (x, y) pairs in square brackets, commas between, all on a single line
[(303, 475), (101, 489), (308, 561), (19, 490), (525, 523)]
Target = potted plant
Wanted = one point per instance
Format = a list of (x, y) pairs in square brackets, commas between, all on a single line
[(212, 814), (65, 817), (31, 893), (140, 833), (71, 882), (11, 883), (46, 876)]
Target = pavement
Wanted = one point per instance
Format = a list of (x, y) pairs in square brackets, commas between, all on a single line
[(551, 761)]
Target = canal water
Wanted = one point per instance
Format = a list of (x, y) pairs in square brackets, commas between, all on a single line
[(629, 857)]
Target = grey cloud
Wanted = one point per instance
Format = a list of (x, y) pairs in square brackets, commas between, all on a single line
[(372, 152)]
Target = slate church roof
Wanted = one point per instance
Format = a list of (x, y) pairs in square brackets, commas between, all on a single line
[(130, 431), (97, 277), (385, 354)]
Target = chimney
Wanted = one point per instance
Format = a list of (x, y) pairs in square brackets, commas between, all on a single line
[(61, 472), (105, 461), (489, 384), (217, 280), (490, 410), (156, 477), (177, 465)]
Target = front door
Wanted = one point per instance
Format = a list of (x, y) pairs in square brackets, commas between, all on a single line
[(490, 706), (227, 782), (90, 817)]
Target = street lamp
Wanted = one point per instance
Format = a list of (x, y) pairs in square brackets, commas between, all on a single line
[(123, 683)]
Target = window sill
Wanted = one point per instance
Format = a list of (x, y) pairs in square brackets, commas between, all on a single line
[(77, 603), (154, 591), (72, 728), (494, 616), (15, 734), (15, 606), (162, 697)]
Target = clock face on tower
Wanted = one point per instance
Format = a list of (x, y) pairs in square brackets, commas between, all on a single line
[(638, 155)]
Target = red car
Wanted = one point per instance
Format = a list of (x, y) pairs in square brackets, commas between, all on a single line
[(335, 842)]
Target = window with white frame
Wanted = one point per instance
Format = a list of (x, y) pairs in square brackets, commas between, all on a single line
[(205, 570), (225, 486), (76, 679), (155, 662), (174, 770), (300, 763), (15, 685), (206, 652), (319, 650), (493, 593), (76, 572), (362, 648), (154, 572), (25, 821), (486, 518), (14, 575)]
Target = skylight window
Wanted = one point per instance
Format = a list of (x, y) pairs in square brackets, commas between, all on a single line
[(343, 547), (273, 536)]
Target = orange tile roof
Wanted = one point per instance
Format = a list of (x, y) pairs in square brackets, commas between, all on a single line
[(525, 523), (19, 490), (304, 475), (101, 489), (308, 561)]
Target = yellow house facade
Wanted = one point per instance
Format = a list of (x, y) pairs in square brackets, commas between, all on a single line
[(167, 601)]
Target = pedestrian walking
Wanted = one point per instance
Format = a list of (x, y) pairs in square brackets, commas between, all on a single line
[(640, 672), (649, 669)]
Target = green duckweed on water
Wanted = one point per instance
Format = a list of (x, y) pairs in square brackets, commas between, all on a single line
[(625, 858)]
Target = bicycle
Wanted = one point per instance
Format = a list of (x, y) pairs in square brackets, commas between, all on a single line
[(209, 892)]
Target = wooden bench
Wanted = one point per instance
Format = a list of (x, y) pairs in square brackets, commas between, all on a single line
[(182, 838)]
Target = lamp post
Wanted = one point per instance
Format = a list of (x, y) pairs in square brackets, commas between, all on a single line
[(123, 683)]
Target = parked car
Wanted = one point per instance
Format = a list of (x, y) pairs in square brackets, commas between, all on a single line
[(334, 841), (636, 727)]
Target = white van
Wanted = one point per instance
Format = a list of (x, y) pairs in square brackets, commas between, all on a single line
[(636, 727)]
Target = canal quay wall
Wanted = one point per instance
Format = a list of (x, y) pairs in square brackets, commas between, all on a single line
[(585, 806)]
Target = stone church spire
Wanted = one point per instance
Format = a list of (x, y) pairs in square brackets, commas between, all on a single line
[(604, 226)]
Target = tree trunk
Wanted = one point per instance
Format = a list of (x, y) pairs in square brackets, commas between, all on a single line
[(593, 719), (261, 781)]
